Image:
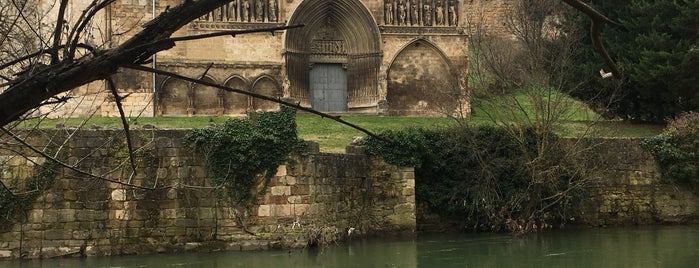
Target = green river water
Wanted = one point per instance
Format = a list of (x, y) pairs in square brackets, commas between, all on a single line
[(668, 246)]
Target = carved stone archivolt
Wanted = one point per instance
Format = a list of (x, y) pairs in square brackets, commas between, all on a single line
[(421, 12), (245, 11)]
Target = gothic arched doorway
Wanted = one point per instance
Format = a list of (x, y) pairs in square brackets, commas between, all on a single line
[(335, 57)]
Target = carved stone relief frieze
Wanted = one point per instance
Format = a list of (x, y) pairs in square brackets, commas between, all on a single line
[(438, 13), (326, 41), (245, 11)]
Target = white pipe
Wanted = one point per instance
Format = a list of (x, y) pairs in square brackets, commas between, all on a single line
[(154, 67)]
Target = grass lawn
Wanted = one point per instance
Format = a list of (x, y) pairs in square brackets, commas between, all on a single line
[(334, 137)]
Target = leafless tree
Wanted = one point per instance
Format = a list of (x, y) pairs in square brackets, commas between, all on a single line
[(45, 54), (519, 81)]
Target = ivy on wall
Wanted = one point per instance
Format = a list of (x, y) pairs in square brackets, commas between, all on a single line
[(677, 150), (240, 149), (15, 206)]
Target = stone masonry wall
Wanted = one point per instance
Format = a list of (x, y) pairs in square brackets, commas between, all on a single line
[(313, 199), (490, 15), (631, 191), (627, 190)]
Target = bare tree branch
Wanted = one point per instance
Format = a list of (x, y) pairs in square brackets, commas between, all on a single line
[(83, 21), (595, 29), (129, 145), (60, 20), (30, 90), (72, 168)]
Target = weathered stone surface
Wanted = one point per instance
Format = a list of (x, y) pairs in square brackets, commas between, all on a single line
[(108, 218), (266, 63)]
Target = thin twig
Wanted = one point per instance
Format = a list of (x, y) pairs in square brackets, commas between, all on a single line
[(72, 168), (83, 21), (127, 133)]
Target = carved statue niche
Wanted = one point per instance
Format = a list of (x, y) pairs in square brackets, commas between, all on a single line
[(453, 16), (232, 10), (216, 15), (402, 13), (245, 11), (439, 16), (427, 13), (273, 7), (388, 12), (259, 10), (414, 13)]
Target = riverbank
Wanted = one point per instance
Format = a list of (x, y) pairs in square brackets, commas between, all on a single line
[(647, 246), (316, 198)]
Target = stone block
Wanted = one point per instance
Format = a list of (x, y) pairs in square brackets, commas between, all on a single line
[(207, 223), (264, 211), (49, 216), (296, 199), (57, 234), (279, 200), (281, 190), (66, 215), (281, 210), (191, 246), (70, 196), (251, 245), (410, 183), (357, 150), (206, 213), (300, 190), (5, 254), (101, 215), (34, 235), (84, 215), (119, 195), (301, 209), (36, 215), (281, 171), (120, 214), (135, 224), (304, 180), (163, 142)]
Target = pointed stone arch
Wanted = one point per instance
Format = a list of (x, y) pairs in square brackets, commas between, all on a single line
[(206, 100), (235, 103), (173, 97), (421, 81), (266, 85), (337, 32)]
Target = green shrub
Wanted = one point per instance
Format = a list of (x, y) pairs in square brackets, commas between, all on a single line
[(479, 176), (240, 149), (677, 150)]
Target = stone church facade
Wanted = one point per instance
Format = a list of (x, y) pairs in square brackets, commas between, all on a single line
[(391, 57)]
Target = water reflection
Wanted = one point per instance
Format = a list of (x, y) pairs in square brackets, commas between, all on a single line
[(632, 247), (676, 246)]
